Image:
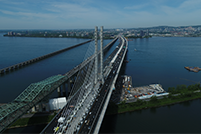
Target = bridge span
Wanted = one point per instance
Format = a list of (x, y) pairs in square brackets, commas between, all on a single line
[(95, 118), (37, 92), (25, 63), (85, 110)]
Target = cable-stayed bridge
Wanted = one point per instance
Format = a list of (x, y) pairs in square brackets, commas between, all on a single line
[(89, 92), (85, 111)]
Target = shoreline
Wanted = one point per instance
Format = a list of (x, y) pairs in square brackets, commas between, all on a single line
[(55, 37), (160, 105), (144, 106), (32, 121), (120, 110), (21, 126)]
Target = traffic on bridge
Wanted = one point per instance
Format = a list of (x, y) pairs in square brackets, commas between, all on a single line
[(83, 112)]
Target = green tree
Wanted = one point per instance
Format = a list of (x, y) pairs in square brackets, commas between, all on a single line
[(139, 102), (191, 87), (181, 88), (154, 99), (197, 86), (171, 90)]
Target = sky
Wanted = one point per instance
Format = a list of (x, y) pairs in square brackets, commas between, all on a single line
[(86, 14)]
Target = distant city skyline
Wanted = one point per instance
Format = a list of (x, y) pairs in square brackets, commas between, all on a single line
[(85, 14)]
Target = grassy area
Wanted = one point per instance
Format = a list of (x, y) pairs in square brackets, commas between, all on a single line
[(32, 121), (183, 94)]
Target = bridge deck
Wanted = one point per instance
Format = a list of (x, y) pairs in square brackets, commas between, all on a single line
[(53, 123), (34, 94), (16, 66), (97, 110), (100, 107)]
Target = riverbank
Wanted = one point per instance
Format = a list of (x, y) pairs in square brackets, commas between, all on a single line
[(178, 95), (54, 36), (182, 95)]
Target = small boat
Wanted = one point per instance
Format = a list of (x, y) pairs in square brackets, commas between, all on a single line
[(193, 69), (135, 49)]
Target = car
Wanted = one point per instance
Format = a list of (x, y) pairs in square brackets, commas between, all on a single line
[(78, 127), (61, 125), (81, 119), (89, 127), (88, 122), (56, 129), (64, 127)]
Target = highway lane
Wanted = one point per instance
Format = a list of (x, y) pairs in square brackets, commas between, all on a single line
[(51, 126), (91, 120)]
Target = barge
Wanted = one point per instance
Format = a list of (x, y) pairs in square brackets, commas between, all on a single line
[(193, 69)]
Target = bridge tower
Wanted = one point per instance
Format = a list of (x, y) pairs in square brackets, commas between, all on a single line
[(101, 54), (96, 55)]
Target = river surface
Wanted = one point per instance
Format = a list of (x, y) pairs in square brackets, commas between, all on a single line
[(154, 60)]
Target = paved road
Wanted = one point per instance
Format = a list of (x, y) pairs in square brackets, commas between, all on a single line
[(53, 124), (89, 124)]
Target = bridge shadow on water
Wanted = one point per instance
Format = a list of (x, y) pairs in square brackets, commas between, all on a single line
[(39, 118), (34, 124), (116, 95), (108, 124), (110, 118)]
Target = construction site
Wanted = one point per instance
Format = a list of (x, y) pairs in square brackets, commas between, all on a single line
[(131, 94)]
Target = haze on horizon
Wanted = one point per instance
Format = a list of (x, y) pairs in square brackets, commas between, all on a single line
[(85, 14)]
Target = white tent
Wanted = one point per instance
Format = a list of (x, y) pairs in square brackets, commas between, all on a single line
[(57, 103)]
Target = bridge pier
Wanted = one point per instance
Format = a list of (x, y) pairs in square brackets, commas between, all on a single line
[(40, 107), (47, 107), (2, 72), (64, 89), (11, 68), (7, 69), (69, 87), (59, 91), (33, 109)]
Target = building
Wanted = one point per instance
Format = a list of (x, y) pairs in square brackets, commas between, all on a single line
[(147, 33), (141, 33), (135, 33), (57, 103), (67, 34), (10, 33)]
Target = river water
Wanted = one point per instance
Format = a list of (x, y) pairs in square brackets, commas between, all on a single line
[(154, 60)]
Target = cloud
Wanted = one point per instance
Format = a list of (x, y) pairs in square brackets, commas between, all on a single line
[(136, 6), (27, 14), (88, 13), (11, 2), (190, 4)]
